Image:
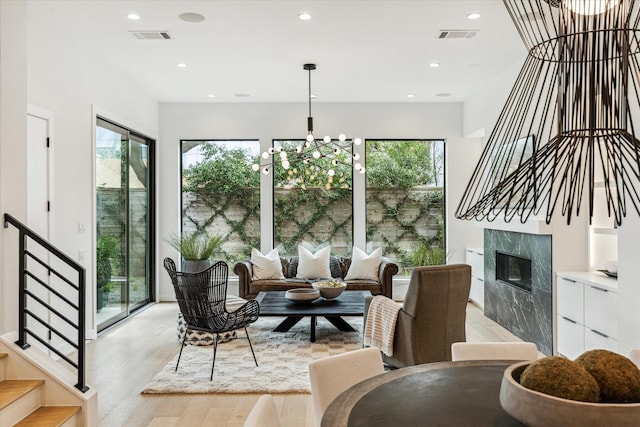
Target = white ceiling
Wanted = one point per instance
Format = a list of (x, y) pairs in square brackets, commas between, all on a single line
[(366, 51)]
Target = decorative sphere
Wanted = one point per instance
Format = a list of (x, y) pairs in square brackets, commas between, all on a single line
[(265, 155), (357, 141), (560, 377), (617, 376), (316, 154), (327, 139), (331, 172), (255, 167), (286, 164), (265, 170), (357, 166), (356, 156), (342, 137), (310, 137)]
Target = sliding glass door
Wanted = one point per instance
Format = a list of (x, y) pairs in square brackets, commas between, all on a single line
[(124, 220)]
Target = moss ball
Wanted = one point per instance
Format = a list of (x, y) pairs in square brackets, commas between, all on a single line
[(562, 378), (617, 376)]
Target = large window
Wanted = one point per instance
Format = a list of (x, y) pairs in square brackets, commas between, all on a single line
[(221, 194), (310, 205), (403, 213), (405, 201)]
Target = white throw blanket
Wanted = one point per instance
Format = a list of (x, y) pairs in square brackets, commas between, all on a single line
[(381, 324)]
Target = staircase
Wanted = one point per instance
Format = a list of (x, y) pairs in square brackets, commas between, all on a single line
[(21, 403), (42, 367), (37, 391)]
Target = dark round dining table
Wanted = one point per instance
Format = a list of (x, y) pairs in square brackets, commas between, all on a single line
[(434, 394)]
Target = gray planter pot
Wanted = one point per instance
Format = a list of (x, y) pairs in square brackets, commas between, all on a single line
[(195, 266)]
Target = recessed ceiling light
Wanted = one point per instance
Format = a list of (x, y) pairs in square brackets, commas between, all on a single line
[(474, 15), (443, 94), (304, 16), (191, 17), (133, 16), (411, 95), (181, 65), (434, 65), (314, 96), (211, 95), (242, 95)]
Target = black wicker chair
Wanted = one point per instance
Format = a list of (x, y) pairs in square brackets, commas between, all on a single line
[(201, 297)]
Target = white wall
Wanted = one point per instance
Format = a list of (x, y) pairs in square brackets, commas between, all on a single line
[(70, 85), (288, 120), (483, 107), (13, 149)]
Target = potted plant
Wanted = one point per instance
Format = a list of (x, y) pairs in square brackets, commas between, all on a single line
[(196, 249), (107, 248)]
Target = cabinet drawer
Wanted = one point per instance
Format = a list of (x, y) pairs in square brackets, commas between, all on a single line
[(601, 310), (595, 340), (477, 291), (476, 261), (570, 299), (570, 338)]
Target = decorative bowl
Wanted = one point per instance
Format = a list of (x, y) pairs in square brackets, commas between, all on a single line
[(330, 289), (536, 409), (302, 295)]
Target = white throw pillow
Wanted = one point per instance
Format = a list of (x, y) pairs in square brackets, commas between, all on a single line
[(313, 266), (363, 266), (266, 266)]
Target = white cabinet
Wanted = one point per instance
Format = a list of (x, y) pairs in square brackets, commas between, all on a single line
[(587, 313), (475, 258), (570, 337)]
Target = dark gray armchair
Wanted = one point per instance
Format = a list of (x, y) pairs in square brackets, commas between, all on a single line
[(432, 317)]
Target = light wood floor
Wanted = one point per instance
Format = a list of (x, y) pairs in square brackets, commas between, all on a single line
[(125, 358)]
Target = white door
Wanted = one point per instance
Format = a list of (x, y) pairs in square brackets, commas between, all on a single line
[(38, 221), (38, 175)]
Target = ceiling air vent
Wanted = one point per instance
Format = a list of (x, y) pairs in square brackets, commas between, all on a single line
[(457, 34), (151, 35)]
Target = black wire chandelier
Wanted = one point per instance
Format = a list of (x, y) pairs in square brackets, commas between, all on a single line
[(567, 126), (338, 151)]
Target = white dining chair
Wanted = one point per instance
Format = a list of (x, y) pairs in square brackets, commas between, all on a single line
[(264, 413), (332, 375), (493, 351), (634, 355)]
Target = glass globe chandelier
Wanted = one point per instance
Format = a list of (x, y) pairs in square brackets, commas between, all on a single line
[(338, 151)]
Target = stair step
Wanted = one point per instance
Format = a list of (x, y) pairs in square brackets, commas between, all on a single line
[(49, 416), (12, 390)]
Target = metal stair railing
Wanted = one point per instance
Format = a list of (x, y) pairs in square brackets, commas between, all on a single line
[(30, 305)]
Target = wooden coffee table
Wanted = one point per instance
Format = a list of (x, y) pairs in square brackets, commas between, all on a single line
[(350, 303)]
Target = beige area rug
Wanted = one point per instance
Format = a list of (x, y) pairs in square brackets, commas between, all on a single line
[(282, 358)]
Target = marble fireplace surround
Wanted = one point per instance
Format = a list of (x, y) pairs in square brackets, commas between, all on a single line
[(528, 315)]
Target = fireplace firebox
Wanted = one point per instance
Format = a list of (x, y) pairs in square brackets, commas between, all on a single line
[(513, 270)]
